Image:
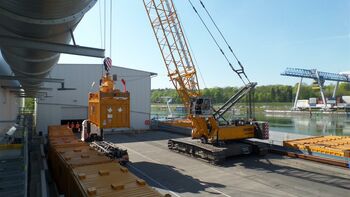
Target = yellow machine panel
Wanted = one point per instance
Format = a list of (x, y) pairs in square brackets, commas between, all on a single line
[(236, 132), (109, 108)]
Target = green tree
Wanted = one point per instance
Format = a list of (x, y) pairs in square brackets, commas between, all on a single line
[(269, 93), (29, 104)]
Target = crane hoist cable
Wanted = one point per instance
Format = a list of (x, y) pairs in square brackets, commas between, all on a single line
[(102, 28), (100, 16), (223, 37), (193, 55), (237, 71), (110, 28), (104, 24), (195, 61)]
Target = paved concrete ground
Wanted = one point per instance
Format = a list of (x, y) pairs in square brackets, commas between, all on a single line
[(272, 175), (277, 137), (12, 174)]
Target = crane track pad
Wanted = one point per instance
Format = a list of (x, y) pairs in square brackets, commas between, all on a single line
[(208, 152)]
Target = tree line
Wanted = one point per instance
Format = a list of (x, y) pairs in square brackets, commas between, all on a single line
[(268, 93)]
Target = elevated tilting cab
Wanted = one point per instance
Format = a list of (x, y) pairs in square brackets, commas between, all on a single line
[(201, 107)]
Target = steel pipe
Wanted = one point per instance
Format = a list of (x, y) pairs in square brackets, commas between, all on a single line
[(42, 20)]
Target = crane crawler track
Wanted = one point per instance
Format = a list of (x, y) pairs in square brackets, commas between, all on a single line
[(216, 154)]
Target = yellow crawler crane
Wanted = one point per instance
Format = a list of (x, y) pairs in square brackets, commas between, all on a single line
[(182, 73)]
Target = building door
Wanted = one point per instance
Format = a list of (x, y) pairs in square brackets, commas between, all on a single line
[(74, 113)]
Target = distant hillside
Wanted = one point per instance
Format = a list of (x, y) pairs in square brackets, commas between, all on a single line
[(270, 93)]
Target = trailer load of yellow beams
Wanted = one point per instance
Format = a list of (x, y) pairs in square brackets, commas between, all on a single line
[(81, 171), (178, 123), (329, 145)]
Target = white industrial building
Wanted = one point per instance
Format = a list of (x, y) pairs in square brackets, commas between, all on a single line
[(63, 105), (9, 103)]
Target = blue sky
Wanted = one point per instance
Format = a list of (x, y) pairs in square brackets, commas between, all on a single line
[(267, 36)]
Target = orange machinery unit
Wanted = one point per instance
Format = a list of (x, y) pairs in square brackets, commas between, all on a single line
[(109, 107)]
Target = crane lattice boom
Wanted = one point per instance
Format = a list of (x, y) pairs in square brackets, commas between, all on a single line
[(174, 48)]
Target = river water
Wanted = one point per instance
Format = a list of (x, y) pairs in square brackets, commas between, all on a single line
[(316, 125)]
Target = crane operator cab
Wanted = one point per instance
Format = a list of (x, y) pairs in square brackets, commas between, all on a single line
[(201, 107)]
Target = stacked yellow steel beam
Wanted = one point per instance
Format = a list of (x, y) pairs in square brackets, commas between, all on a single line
[(178, 123), (81, 171), (330, 145)]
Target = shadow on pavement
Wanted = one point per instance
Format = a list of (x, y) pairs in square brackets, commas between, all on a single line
[(140, 136), (158, 176), (264, 164)]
